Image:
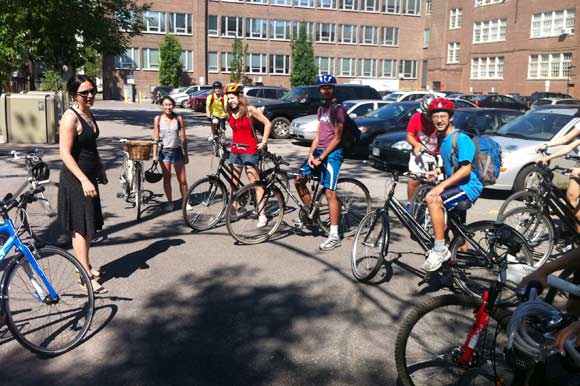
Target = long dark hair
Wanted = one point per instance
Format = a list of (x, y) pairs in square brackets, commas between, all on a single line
[(73, 84)]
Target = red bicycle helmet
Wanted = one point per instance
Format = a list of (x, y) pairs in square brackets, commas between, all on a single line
[(441, 104)]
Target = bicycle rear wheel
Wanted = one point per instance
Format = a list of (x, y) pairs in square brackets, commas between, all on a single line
[(419, 208), (41, 326), (369, 246), (354, 201), (205, 203), (430, 340), (525, 198), (244, 209)]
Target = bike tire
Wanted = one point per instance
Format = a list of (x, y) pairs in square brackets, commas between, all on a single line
[(207, 199), (34, 323), (242, 224), (473, 280), (536, 227), (419, 209), (524, 198), (355, 202), (138, 183), (433, 333), (370, 245)]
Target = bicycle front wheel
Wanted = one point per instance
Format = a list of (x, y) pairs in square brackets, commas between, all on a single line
[(205, 203), (525, 198), (138, 184), (249, 202), (43, 218), (41, 325), (354, 202), (369, 246), (419, 209), (430, 341)]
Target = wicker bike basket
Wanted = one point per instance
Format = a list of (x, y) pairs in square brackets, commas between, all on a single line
[(139, 150)]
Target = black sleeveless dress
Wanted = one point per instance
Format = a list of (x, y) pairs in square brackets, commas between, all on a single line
[(75, 211)]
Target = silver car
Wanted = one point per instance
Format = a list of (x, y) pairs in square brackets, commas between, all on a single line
[(519, 138), (304, 128)]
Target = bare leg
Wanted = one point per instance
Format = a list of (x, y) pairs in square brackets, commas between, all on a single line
[(166, 169), (333, 206), (254, 176), (237, 174), (181, 178), (437, 217), (81, 245), (302, 189), (412, 186)]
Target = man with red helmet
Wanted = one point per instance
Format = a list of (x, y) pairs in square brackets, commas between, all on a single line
[(461, 183)]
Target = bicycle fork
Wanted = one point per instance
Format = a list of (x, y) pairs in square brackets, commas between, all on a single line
[(467, 350)]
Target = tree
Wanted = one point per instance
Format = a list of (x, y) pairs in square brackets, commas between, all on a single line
[(304, 69), (56, 32), (238, 63), (170, 66), (93, 65), (50, 81)]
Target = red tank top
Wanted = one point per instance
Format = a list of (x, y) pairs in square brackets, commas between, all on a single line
[(243, 135)]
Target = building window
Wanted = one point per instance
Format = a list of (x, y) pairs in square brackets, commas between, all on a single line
[(151, 59), (428, 7), (129, 60), (370, 5), (280, 29), (325, 65), (212, 26), (453, 53), (408, 69), (369, 35), (309, 28), (212, 61), (480, 3), (187, 60), (325, 33), (487, 68), (304, 3), (549, 66), (154, 22), (232, 26), (553, 23), (368, 68), (326, 4), (264, 2), (456, 18), (180, 23), (226, 60), (488, 31), (390, 36), (349, 5), (348, 34), (284, 3), (412, 7), (256, 63), (347, 67), (388, 68), (256, 28), (392, 6), (426, 38), (280, 64)]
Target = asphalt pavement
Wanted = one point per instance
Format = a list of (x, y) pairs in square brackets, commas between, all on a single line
[(188, 308)]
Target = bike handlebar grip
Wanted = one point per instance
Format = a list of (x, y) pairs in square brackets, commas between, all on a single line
[(563, 285), (533, 289), (572, 351), (7, 198)]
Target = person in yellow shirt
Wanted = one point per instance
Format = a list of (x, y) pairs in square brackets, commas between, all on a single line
[(215, 109)]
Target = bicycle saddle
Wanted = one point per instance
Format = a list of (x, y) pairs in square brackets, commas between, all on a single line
[(463, 205)]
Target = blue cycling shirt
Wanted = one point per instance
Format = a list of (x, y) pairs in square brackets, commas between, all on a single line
[(471, 185)]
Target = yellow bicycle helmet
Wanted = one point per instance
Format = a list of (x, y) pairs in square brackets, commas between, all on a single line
[(234, 88)]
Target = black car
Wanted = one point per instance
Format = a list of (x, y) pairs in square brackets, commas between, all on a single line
[(498, 101), (392, 150), (158, 92), (305, 100)]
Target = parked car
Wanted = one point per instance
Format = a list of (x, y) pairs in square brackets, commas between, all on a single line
[(304, 100), (496, 100), (200, 99), (304, 128), (555, 101), (159, 92), (547, 94), (193, 95), (462, 103), (182, 98), (257, 94), (392, 150), (403, 96)]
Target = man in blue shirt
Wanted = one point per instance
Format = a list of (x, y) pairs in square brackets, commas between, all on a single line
[(461, 182)]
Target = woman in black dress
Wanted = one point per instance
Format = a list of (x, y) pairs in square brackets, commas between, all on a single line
[(79, 205)]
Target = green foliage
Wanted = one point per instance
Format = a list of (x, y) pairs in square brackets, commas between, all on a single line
[(170, 66), (93, 65), (238, 63), (304, 69), (50, 81)]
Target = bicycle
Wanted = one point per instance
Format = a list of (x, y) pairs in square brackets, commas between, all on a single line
[(47, 297), (42, 211), (132, 178), (476, 249), (244, 209)]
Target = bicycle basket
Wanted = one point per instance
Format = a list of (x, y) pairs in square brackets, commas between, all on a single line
[(139, 150), (153, 175)]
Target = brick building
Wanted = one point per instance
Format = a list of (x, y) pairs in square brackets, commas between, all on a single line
[(465, 45)]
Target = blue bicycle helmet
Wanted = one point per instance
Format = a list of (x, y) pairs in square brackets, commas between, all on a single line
[(326, 79), (216, 84)]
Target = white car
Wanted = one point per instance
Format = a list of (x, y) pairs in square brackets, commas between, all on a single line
[(304, 128), (555, 101), (182, 98), (404, 96)]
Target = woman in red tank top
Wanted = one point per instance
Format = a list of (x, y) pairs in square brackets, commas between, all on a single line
[(245, 144)]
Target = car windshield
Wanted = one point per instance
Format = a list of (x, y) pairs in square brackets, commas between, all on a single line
[(347, 105), (535, 126), (393, 96), (541, 102), (389, 112), (296, 94)]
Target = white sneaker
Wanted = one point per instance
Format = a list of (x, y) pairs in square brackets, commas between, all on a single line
[(188, 207), (436, 259), (262, 222), (330, 243), (210, 138)]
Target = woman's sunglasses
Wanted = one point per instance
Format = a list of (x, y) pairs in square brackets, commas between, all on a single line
[(85, 93)]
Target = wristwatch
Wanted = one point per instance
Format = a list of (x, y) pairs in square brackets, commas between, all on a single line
[(320, 159)]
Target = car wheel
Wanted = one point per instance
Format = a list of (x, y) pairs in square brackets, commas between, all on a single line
[(185, 104), (280, 127), (529, 177)]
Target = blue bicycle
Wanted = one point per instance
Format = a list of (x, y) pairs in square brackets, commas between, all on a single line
[(46, 296)]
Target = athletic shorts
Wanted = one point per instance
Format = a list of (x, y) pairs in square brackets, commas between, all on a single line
[(174, 156), (244, 160), (328, 170), (453, 196), (424, 162)]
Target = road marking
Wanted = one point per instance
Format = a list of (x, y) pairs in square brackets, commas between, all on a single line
[(494, 211)]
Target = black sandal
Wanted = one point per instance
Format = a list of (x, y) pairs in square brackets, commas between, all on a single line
[(97, 291)]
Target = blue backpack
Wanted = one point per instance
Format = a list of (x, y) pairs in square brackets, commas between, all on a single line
[(487, 161)]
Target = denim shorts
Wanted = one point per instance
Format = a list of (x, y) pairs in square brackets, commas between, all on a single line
[(247, 160), (175, 156)]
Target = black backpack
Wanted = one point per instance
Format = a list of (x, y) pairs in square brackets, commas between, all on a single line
[(350, 131)]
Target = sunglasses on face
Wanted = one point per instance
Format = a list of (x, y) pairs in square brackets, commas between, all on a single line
[(86, 93)]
